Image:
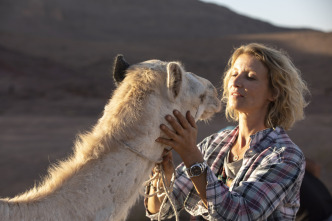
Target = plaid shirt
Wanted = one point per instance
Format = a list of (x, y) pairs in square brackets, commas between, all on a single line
[(265, 188)]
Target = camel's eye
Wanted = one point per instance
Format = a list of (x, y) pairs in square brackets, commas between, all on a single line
[(202, 97)]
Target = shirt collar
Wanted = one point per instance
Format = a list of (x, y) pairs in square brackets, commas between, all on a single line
[(259, 140), (263, 139)]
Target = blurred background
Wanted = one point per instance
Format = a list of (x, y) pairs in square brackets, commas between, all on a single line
[(56, 58)]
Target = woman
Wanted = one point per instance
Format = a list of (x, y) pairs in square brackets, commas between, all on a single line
[(253, 172)]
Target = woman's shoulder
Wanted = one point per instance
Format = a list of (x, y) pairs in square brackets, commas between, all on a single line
[(216, 141), (219, 135), (285, 148), (283, 140)]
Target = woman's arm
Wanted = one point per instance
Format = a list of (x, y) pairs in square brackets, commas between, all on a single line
[(154, 202), (183, 140)]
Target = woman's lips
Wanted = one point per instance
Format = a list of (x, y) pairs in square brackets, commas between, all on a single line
[(236, 94)]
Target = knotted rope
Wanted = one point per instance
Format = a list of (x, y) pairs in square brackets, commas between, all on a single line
[(159, 173)]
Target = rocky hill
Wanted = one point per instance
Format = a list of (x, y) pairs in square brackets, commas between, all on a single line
[(107, 20)]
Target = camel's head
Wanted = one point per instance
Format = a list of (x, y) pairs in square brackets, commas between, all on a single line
[(191, 92), (184, 90)]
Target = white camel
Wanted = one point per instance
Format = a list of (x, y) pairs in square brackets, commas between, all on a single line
[(102, 178)]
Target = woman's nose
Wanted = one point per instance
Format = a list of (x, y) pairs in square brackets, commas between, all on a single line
[(237, 81)]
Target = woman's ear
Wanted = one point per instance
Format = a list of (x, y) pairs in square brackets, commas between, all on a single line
[(274, 94)]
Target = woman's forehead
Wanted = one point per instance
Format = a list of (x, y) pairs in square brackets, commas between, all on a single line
[(248, 62)]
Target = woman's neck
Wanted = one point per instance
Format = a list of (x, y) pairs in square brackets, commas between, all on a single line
[(247, 127)]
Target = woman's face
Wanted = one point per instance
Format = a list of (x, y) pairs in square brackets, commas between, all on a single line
[(248, 86)]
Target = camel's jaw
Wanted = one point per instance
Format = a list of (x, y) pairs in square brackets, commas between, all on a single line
[(206, 116), (210, 111)]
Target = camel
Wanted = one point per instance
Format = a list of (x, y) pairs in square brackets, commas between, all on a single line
[(102, 177)]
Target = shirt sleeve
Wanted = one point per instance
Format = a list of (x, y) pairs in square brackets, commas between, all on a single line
[(181, 188), (258, 196)]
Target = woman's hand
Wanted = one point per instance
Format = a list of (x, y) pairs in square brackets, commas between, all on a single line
[(168, 165), (154, 202), (183, 138)]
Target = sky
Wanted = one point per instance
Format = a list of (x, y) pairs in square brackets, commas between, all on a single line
[(316, 14)]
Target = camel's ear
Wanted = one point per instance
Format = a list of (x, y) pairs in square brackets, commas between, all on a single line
[(174, 79), (119, 69)]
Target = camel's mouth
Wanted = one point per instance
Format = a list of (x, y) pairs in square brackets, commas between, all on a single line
[(209, 112), (207, 115)]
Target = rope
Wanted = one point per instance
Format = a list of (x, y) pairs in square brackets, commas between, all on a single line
[(159, 171), (167, 190), (138, 153)]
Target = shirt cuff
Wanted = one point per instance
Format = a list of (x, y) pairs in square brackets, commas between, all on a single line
[(210, 177), (215, 192)]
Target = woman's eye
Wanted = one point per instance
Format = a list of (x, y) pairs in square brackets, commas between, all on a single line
[(251, 77)]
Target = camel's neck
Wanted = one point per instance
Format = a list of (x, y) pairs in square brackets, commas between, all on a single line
[(139, 129), (103, 178), (106, 187)]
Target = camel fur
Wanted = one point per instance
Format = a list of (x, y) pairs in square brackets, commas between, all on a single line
[(102, 178)]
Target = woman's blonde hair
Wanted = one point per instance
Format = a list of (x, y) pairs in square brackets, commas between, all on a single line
[(287, 86)]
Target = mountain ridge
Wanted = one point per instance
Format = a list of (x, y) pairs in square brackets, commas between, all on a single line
[(128, 20)]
